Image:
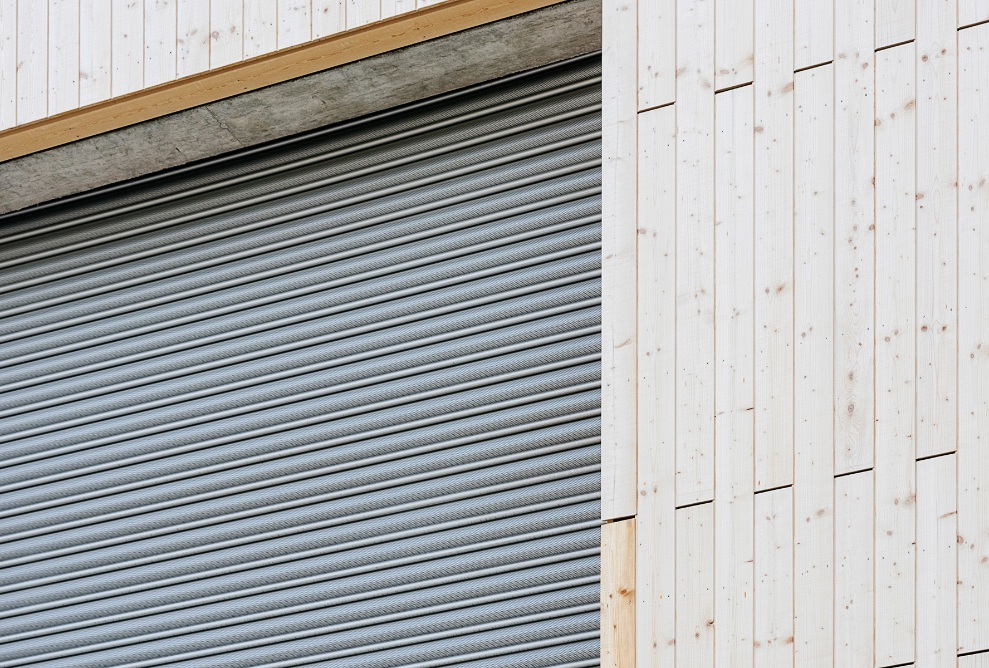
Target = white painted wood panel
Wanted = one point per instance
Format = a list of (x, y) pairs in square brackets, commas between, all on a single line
[(972, 11), (973, 332), (734, 344), (226, 32), (937, 572), (894, 22), (937, 226), (294, 22), (160, 40), (127, 46), (774, 639), (618, 354), (734, 50), (974, 661), (261, 26), (32, 60), (854, 235), (361, 12), (813, 473), (895, 354), (8, 64), (394, 7), (773, 243), (193, 37), (63, 55), (329, 17), (854, 590), (813, 32), (695, 251), (94, 52), (695, 586), (656, 517), (657, 52)]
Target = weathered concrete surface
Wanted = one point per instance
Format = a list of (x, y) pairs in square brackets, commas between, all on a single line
[(387, 80)]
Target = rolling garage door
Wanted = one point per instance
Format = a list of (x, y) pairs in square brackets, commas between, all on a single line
[(332, 401)]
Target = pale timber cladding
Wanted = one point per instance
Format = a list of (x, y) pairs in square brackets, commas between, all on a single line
[(80, 52), (797, 328)]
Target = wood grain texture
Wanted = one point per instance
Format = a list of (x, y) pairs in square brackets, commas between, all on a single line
[(261, 26), (813, 32), (395, 7), (896, 117), (973, 337), (695, 586), (974, 661), (63, 55), (618, 594), (734, 344), (656, 512), (657, 52), (937, 562), (294, 22), (618, 263), (8, 65), (774, 639), (127, 46), (193, 37), (695, 251), (774, 243), (971, 12), (855, 236), (734, 49), (813, 359), (32, 60), (895, 21), (361, 12), (160, 41), (854, 582), (226, 32)]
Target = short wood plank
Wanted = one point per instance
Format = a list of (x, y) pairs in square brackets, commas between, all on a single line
[(32, 60), (813, 359), (937, 562), (854, 234), (193, 37), (63, 55), (896, 117), (774, 243), (695, 586), (160, 41), (854, 590), (974, 660), (813, 32), (734, 348), (734, 50), (127, 47), (656, 513), (8, 65), (774, 578), (261, 26), (695, 251), (618, 422), (657, 53), (973, 340), (226, 32), (937, 226), (294, 22), (894, 22), (361, 12), (971, 12), (618, 594)]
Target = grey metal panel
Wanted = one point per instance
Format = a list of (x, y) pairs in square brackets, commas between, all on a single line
[(333, 402)]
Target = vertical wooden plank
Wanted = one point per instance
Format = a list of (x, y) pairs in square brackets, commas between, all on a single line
[(972, 11), (396, 7), (813, 32), (329, 17), (656, 513), (361, 12), (618, 421), (895, 354), (127, 46), (974, 661), (894, 22), (973, 333), (774, 243), (94, 52), (8, 64), (32, 60), (774, 578), (937, 226), (853, 571), (261, 27), (226, 32), (657, 53), (695, 251), (813, 359), (160, 41), (854, 234), (294, 22), (618, 594), (733, 489), (734, 51), (193, 37), (63, 55), (695, 586), (937, 573)]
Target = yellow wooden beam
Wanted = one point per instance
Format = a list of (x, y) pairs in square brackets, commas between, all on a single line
[(618, 594)]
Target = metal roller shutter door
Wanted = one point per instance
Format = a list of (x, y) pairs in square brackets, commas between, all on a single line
[(331, 401)]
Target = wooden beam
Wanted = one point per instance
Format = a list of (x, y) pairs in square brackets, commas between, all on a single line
[(368, 40), (618, 594)]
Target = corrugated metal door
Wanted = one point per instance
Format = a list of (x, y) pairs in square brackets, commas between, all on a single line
[(333, 401)]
